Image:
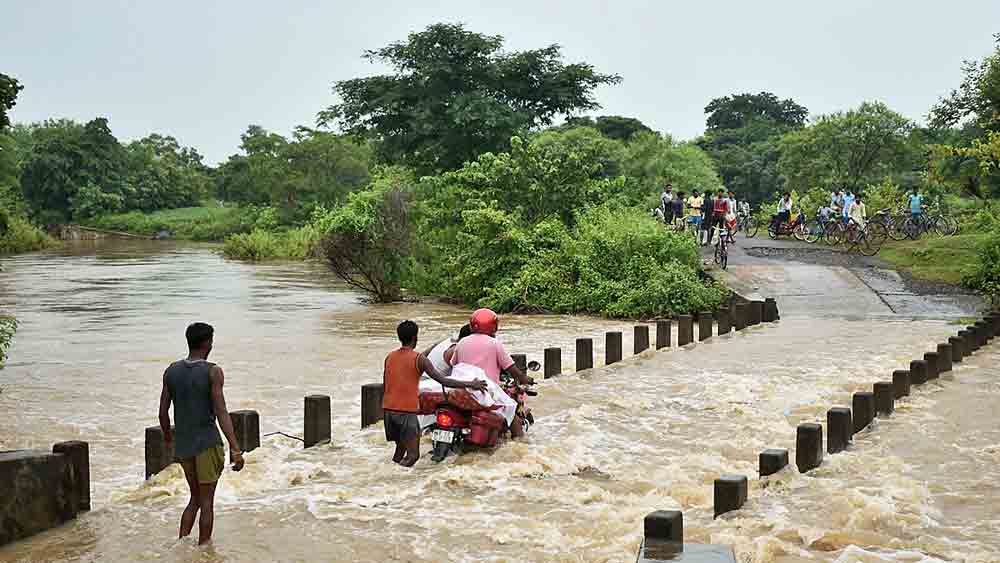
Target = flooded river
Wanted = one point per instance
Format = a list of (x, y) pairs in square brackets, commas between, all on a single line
[(99, 324)]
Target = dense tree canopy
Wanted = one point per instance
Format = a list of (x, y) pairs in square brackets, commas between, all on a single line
[(611, 126), (456, 94), (977, 98), (9, 88), (846, 149), (739, 110)]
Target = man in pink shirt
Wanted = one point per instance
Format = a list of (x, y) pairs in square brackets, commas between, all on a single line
[(483, 350)]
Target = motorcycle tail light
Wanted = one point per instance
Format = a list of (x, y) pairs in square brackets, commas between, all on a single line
[(445, 420)]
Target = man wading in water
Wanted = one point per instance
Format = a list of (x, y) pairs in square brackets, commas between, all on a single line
[(194, 386), (401, 398)]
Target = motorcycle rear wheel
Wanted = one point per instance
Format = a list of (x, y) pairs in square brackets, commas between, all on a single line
[(440, 451)]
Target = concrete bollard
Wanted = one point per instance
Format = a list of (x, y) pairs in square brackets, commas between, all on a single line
[(918, 372), (771, 310), (704, 326), (977, 335), (159, 454), (756, 313), (612, 347), (984, 331), (932, 365), (885, 397), (900, 384), (863, 410), (730, 493), (957, 349), (740, 313), (246, 426), (663, 334), (37, 492), (839, 429), (553, 362), (640, 339), (771, 461), (808, 446), (316, 422), (584, 353), (724, 321), (664, 526), (944, 353), (371, 403), (78, 454), (521, 361), (685, 330), (970, 341)]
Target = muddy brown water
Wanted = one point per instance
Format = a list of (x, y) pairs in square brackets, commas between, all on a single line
[(100, 322)]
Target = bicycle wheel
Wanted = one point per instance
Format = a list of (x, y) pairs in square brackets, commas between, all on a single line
[(946, 226), (719, 253), (865, 245), (896, 230), (878, 233), (750, 227), (725, 257), (912, 228), (814, 230), (836, 235), (772, 231)]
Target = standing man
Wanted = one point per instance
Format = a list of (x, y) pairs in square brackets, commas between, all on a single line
[(916, 205), (401, 399), (194, 386), (666, 198), (847, 202), (707, 209), (677, 211), (720, 208), (694, 209)]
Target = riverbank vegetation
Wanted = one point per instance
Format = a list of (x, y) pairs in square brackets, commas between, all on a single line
[(467, 172), (8, 326)]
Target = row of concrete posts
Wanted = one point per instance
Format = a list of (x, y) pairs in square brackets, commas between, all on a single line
[(663, 535)]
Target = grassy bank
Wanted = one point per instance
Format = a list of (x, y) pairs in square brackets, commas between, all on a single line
[(18, 235), (260, 244), (206, 223), (939, 259)]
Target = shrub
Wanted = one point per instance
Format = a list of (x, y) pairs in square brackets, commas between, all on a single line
[(256, 245), (985, 276), (192, 223), (8, 326), (18, 235)]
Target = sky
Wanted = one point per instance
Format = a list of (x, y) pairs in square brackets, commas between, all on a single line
[(203, 71)]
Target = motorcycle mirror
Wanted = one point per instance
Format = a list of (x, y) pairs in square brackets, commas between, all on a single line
[(534, 366)]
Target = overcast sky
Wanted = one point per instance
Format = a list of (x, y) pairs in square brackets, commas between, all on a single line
[(202, 70)]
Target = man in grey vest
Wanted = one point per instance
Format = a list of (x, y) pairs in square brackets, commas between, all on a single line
[(194, 386)]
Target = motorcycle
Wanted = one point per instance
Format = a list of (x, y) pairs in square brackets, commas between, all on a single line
[(458, 430)]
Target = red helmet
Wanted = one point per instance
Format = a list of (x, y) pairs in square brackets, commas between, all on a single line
[(484, 321)]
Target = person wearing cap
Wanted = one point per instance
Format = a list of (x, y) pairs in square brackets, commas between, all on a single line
[(483, 350)]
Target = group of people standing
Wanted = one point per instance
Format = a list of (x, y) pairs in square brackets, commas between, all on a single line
[(700, 210)]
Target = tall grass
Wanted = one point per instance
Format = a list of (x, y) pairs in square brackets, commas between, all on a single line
[(259, 244), (22, 236), (191, 223)]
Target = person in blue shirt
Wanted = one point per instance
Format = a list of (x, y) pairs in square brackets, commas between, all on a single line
[(848, 200), (916, 204)]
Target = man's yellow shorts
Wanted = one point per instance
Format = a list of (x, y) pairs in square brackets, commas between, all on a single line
[(208, 464)]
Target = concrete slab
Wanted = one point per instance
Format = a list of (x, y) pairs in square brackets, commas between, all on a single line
[(654, 551)]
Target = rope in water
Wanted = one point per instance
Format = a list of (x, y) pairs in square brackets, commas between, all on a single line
[(285, 435)]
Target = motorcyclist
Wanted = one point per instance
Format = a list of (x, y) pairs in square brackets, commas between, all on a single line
[(484, 351)]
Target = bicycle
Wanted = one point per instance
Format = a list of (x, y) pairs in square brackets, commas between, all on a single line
[(721, 246), (860, 238), (747, 225), (916, 225)]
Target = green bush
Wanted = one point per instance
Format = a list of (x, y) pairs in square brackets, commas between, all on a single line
[(18, 235), (255, 246), (8, 326), (985, 275), (191, 223)]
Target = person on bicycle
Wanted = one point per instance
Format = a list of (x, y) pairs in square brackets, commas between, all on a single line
[(784, 210), (677, 210), (720, 208), (694, 209), (916, 204)]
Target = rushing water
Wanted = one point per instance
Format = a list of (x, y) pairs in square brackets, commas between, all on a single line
[(99, 324)]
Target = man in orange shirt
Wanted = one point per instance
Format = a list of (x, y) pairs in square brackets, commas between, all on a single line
[(401, 399)]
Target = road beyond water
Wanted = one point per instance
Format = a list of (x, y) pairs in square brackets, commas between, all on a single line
[(815, 280)]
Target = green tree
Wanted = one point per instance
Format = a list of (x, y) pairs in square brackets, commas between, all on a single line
[(977, 98), (741, 136), (455, 94), (9, 89), (611, 126), (650, 161), (846, 149)]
